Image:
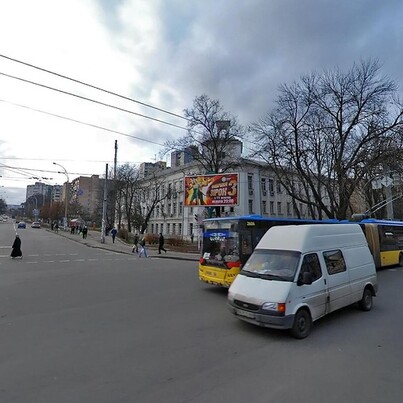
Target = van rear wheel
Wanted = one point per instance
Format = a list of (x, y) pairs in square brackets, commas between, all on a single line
[(302, 324), (366, 302)]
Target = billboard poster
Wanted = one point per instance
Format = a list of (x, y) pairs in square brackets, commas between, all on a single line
[(211, 190)]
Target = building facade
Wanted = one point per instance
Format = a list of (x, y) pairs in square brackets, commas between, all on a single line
[(258, 193), (86, 194)]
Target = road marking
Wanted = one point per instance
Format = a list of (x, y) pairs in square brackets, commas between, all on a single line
[(64, 261)]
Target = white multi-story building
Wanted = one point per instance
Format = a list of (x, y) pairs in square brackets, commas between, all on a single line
[(258, 193)]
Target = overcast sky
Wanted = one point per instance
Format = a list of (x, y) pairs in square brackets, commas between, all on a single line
[(164, 54)]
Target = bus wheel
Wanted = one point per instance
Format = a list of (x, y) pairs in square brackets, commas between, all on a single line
[(401, 260), (365, 304), (302, 324)]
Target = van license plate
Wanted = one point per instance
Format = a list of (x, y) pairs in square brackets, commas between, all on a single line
[(245, 314)]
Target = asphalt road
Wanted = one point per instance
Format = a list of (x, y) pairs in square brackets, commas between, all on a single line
[(84, 325)]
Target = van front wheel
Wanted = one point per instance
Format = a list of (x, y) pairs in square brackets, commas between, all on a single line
[(302, 324), (365, 304)]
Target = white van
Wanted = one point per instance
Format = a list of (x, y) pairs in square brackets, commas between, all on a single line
[(299, 273)]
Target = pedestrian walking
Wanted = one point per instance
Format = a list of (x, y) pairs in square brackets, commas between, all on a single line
[(114, 231), (85, 231), (136, 244), (16, 251), (143, 249), (161, 241)]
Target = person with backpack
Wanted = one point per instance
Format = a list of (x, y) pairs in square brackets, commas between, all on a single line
[(114, 231), (143, 249)]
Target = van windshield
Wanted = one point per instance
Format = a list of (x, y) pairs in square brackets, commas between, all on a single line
[(272, 264)]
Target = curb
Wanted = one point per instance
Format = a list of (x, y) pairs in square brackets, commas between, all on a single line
[(111, 249)]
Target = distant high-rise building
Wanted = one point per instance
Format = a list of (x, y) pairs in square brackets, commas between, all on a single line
[(38, 188), (147, 168), (182, 157)]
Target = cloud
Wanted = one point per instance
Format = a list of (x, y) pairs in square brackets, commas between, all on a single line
[(165, 54)]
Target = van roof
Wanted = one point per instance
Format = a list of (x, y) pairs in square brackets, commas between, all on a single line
[(307, 237)]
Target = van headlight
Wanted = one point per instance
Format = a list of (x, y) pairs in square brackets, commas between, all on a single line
[(274, 307)]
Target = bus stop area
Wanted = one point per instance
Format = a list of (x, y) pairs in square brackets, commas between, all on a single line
[(94, 240)]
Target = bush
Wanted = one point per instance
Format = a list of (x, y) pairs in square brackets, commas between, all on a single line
[(175, 240), (123, 234), (151, 239)]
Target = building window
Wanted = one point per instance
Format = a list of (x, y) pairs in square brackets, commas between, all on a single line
[(278, 187), (271, 186), (174, 229), (250, 182), (250, 206), (180, 229), (288, 208), (263, 184), (271, 208), (175, 207), (161, 228), (279, 208), (264, 207), (180, 208), (168, 228)]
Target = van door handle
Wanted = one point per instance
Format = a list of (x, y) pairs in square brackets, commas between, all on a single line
[(324, 281)]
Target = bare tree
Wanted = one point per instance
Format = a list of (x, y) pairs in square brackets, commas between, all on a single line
[(328, 133), (211, 135), (212, 139), (127, 184), (152, 195)]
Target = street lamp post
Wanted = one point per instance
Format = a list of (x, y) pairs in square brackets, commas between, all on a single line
[(67, 192)]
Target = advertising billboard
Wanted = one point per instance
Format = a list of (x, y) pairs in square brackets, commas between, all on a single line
[(211, 190)]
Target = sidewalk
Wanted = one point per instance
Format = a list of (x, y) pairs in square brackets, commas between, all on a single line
[(93, 240)]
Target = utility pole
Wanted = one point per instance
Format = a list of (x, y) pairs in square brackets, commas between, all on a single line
[(115, 162), (104, 206)]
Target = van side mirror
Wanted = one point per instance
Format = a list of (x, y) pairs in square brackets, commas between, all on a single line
[(305, 279)]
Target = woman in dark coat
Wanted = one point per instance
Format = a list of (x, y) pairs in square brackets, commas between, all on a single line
[(16, 247)]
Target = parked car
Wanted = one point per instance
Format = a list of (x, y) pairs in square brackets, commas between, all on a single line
[(36, 224), (22, 224)]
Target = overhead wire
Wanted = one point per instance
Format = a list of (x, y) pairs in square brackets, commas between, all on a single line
[(81, 122), (91, 100), (92, 86)]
